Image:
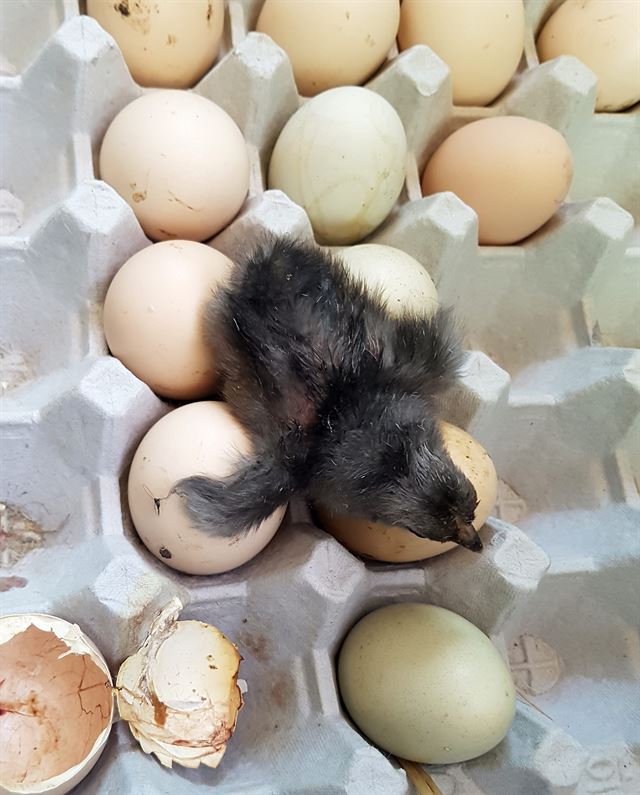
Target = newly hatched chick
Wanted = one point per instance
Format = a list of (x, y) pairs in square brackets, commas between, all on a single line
[(339, 397)]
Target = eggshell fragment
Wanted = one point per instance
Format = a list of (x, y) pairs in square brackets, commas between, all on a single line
[(331, 44), (164, 43), (179, 692), (481, 41), (514, 172), (179, 161), (342, 157), (56, 704), (425, 684), (154, 316), (400, 280), (397, 545), (197, 439), (605, 36)]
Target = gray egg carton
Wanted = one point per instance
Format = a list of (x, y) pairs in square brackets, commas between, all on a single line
[(551, 388)]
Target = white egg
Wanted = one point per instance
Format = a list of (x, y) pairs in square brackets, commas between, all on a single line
[(164, 43), (154, 316), (342, 157), (180, 162), (63, 686), (179, 692), (400, 280), (425, 684), (196, 439)]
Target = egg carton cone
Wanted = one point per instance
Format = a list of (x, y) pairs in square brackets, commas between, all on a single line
[(551, 387)]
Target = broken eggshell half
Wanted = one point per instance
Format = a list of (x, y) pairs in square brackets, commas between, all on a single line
[(179, 692), (56, 704)]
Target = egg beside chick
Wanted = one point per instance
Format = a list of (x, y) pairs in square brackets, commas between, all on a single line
[(197, 439)]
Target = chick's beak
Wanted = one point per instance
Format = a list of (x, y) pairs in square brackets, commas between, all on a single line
[(467, 536)]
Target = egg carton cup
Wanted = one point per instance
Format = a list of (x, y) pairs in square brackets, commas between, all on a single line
[(551, 387)]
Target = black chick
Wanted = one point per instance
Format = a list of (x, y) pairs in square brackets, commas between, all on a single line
[(339, 397)]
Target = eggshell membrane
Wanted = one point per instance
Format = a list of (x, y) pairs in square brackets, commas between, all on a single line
[(154, 316), (196, 439), (514, 172), (179, 161), (57, 704), (400, 280), (342, 158), (605, 36), (425, 684), (481, 41), (164, 43), (331, 44), (397, 545)]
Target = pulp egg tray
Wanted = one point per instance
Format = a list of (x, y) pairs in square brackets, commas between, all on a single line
[(551, 389)]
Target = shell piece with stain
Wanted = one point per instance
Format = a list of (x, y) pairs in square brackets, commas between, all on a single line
[(179, 692)]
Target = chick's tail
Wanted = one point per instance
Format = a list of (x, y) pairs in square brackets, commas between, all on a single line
[(236, 504)]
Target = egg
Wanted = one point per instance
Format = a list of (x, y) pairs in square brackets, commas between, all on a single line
[(481, 41), (514, 172), (331, 44), (196, 439), (342, 157), (57, 704), (154, 316), (179, 161), (179, 692), (164, 43), (425, 684), (400, 280), (397, 545), (605, 36)]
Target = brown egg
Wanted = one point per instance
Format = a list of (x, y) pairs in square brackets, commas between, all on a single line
[(397, 545), (331, 44), (514, 172), (196, 439), (154, 316)]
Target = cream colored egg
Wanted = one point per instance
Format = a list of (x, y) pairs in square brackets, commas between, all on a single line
[(604, 35), (400, 280), (481, 41), (165, 43), (154, 316), (514, 172), (425, 684), (397, 545), (341, 157), (181, 163), (196, 439), (331, 44), (63, 682)]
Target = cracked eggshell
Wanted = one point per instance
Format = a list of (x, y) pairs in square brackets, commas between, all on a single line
[(196, 439), (425, 684), (154, 316), (399, 279), (164, 43), (179, 691), (342, 157), (61, 683), (397, 545), (179, 161), (331, 44)]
